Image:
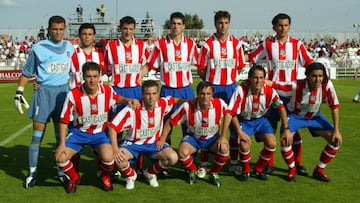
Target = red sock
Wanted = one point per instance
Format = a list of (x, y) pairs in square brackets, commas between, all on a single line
[(139, 162), (188, 163), (204, 157), (69, 170), (288, 156), (297, 148), (107, 167), (219, 162), (128, 171), (76, 162), (156, 168), (245, 158), (234, 149), (327, 155), (264, 157)]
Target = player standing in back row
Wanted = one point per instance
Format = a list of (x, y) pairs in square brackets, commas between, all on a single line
[(283, 55), (221, 59)]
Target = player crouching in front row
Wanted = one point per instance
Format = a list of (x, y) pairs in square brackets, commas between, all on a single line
[(87, 106), (144, 126), (249, 103), (306, 97), (202, 117)]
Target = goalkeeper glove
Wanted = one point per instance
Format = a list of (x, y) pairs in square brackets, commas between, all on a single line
[(19, 100)]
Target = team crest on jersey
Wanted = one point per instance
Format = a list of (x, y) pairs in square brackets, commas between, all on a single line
[(223, 52), (205, 120), (128, 56), (255, 106), (68, 54), (177, 55), (312, 99), (282, 54), (93, 107)]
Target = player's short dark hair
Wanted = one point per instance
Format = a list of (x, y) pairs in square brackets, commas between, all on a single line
[(317, 66), (202, 85), (178, 15), (56, 19), (86, 26), (254, 68), (280, 16), (127, 20), (90, 66), (221, 14), (149, 83)]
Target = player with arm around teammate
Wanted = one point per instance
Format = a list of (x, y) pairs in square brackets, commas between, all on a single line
[(304, 106), (144, 126), (202, 117), (249, 104), (87, 106)]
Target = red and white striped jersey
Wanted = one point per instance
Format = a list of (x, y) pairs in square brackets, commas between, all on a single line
[(143, 126), (250, 106), (174, 61), (125, 62), (78, 59), (201, 124), (88, 114), (282, 59), (304, 102), (221, 60)]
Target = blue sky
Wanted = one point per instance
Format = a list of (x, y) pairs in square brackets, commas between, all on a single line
[(307, 15)]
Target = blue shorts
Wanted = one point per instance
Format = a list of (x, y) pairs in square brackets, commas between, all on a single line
[(130, 92), (318, 122), (77, 139), (47, 102), (259, 126), (148, 150), (200, 144), (224, 91)]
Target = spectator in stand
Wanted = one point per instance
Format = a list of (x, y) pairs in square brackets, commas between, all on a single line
[(326, 62)]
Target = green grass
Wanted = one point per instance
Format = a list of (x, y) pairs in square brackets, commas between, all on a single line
[(343, 170)]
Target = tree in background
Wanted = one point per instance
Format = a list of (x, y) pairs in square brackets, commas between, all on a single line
[(193, 25)]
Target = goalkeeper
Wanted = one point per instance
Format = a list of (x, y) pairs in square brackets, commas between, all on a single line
[(49, 61)]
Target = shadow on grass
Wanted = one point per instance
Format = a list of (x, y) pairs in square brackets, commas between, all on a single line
[(14, 163)]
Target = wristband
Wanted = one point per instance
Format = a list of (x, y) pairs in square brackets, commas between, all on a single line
[(20, 90)]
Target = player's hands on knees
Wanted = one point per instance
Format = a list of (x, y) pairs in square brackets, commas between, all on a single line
[(336, 138), (60, 154), (160, 144), (120, 155), (19, 100), (243, 137), (286, 138), (222, 144)]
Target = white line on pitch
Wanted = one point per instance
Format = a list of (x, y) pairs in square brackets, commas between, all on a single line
[(13, 136)]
